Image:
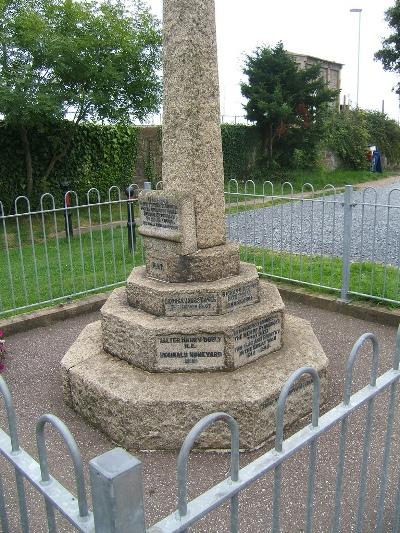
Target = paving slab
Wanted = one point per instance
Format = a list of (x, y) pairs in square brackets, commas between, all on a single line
[(34, 378)]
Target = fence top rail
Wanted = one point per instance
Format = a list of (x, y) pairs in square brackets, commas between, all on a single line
[(189, 513), (288, 198), (321, 198), (188, 444), (307, 194), (223, 491), (73, 452), (67, 208), (38, 474)]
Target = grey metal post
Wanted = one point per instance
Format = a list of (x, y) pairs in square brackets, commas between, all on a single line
[(117, 492), (347, 230)]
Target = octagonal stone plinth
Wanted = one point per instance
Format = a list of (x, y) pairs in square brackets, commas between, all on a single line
[(193, 299), (188, 344), (142, 410)]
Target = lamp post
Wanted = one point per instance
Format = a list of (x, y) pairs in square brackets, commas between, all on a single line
[(359, 43)]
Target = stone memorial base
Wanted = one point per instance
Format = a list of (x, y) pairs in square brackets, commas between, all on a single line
[(149, 411), (194, 344)]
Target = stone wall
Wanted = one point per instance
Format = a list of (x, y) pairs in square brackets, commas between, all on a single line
[(330, 160)]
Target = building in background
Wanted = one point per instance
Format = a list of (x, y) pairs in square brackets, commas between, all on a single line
[(330, 70)]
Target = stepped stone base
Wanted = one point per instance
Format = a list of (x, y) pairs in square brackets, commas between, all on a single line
[(193, 299), (141, 410), (187, 344)]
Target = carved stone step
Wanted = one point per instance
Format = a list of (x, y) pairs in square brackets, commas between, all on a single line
[(168, 344), (142, 410), (193, 299)]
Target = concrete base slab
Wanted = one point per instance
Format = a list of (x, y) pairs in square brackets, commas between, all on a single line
[(193, 344), (142, 410)]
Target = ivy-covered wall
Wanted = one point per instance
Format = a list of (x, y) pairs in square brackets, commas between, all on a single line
[(241, 146), (102, 156)]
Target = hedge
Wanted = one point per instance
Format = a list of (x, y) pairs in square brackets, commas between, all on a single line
[(102, 156), (99, 156)]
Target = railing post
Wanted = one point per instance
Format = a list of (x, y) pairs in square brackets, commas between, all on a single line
[(347, 231), (69, 230), (131, 223), (117, 492)]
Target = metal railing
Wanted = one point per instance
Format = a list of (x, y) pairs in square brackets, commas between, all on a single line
[(62, 251), (116, 482), (346, 242), (234, 119), (109, 484)]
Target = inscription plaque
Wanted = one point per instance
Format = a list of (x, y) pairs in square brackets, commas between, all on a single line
[(190, 352), (241, 296), (263, 335), (161, 214), (191, 305), (168, 222)]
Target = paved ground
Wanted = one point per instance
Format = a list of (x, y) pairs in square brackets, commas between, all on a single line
[(316, 226), (34, 378)]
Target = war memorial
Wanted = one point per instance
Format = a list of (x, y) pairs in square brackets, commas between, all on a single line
[(194, 331)]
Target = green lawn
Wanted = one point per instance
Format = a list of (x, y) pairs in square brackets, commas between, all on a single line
[(324, 274), (58, 268)]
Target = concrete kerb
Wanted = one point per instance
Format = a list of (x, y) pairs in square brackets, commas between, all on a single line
[(362, 310), (50, 315)]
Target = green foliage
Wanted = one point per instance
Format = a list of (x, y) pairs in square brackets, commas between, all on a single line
[(96, 59), (99, 156), (389, 55), (286, 102), (241, 147), (351, 132), (384, 133), (347, 135), (102, 156)]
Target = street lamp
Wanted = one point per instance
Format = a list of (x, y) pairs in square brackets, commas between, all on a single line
[(359, 42)]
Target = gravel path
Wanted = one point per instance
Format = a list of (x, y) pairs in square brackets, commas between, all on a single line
[(316, 226)]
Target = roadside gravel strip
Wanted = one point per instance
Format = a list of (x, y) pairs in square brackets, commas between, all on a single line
[(315, 227)]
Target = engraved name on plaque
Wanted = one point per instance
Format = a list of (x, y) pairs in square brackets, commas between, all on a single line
[(160, 214), (241, 296), (191, 304), (260, 336), (190, 352)]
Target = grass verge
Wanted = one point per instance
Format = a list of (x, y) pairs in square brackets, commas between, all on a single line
[(57, 271)]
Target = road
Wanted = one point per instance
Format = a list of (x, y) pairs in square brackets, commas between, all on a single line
[(315, 226)]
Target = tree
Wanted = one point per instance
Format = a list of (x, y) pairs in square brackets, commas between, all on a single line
[(97, 59), (285, 101), (389, 55)]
